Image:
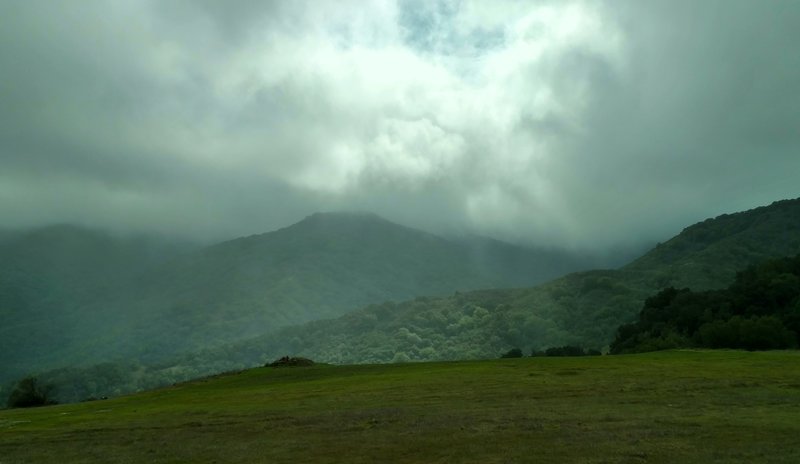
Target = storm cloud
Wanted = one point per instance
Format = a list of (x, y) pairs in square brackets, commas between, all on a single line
[(574, 124)]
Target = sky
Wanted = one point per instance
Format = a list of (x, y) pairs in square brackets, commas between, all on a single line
[(575, 124)]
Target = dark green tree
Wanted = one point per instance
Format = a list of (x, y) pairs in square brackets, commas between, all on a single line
[(28, 393), (512, 353), (760, 310)]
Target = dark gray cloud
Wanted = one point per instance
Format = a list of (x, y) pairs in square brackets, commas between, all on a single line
[(585, 124)]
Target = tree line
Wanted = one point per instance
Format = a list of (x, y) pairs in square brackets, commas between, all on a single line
[(760, 310)]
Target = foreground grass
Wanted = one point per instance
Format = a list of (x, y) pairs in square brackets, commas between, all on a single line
[(679, 406)]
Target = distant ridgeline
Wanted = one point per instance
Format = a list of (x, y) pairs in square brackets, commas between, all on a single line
[(759, 311)]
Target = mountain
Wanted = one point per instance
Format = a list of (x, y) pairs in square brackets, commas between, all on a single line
[(59, 288), (708, 254), (583, 308), (72, 296), (319, 268)]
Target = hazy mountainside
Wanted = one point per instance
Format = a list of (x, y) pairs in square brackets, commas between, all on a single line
[(73, 296), (60, 287), (325, 265), (68, 263), (708, 254), (583, 308), (319, 268)]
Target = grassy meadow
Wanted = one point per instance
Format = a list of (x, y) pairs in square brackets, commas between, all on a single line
[(666, 407)]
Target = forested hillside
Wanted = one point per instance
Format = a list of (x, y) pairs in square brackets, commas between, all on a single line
[(581, 309), (760, 310), (61, 292), (72, 297), (320, 268)]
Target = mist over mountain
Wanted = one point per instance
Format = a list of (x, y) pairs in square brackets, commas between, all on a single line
[(62, 288), (74, 296)]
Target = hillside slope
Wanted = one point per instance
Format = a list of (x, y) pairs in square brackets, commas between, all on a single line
[(60, 287), (584, 308), (323, 266), (729, 406), (70, 296)]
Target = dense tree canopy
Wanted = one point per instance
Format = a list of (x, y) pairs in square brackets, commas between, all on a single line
[(759, 311)]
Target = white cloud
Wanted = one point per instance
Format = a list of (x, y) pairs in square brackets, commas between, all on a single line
[(539, 121)]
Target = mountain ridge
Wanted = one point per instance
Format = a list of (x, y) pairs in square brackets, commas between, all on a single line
[(582, 308), (106, 298)]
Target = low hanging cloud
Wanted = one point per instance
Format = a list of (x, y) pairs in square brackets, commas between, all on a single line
[(578, 124)]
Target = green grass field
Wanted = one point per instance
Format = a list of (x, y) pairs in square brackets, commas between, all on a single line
[(668, 407)]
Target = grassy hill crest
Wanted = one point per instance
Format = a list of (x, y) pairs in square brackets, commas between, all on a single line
[(725, 406)]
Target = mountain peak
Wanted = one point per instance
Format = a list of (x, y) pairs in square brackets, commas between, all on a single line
[(343, 220), (344, 216)]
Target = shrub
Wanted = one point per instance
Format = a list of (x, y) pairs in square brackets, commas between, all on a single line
[(757, 333), (28, 393), (512, 353), (291, 361), (565, 351)]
